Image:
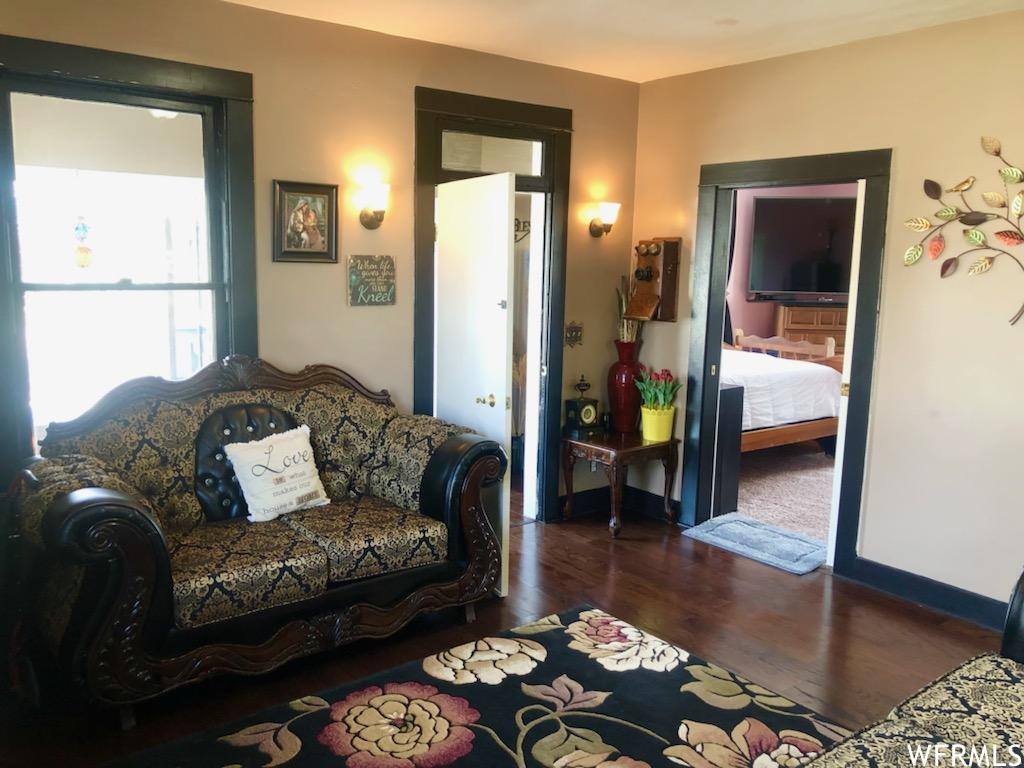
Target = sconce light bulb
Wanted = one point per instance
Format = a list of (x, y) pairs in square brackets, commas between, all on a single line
[(374, 202), (607, 214)]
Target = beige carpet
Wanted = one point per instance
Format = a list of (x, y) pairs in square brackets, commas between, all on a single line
[(789, 486)]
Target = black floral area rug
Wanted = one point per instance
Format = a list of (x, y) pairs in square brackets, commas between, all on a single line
[(582, 689)]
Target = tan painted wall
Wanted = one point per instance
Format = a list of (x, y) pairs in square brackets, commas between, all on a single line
[(944, 480), (329, 99)]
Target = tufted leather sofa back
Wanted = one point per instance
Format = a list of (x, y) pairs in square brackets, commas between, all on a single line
[(217, 488)]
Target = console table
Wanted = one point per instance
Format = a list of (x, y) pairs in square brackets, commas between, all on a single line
[(615, 452)]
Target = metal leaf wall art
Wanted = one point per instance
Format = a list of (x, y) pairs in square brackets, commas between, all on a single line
[(982, 246)]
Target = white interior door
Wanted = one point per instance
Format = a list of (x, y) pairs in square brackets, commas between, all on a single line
[(473, 317)]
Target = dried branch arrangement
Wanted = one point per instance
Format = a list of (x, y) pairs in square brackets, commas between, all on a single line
[(629, 330), (1006, 214)]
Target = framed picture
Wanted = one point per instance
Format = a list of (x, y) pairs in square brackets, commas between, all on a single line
[(305, 222)]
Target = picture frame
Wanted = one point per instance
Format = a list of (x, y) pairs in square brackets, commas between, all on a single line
[(305, 222)]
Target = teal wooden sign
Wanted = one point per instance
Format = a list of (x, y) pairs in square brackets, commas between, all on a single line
[(371, 281)]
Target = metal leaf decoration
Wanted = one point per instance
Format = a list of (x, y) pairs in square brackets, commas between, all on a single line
[(1017, 206), (1011, 174), (991, 145), (994, 199), (933, 189), (975, 237), (974, 218), (1010, 237), (982, 265), (1006, 209), (964, 185)]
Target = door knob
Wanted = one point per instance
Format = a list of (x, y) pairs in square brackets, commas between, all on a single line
[(489, 400)]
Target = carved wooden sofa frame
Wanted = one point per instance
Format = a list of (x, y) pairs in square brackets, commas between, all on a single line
[(127, 648)]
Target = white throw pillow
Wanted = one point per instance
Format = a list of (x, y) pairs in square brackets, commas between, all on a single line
[(277, 474)]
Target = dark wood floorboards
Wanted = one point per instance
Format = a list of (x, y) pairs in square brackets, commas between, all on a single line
[(845, 650)]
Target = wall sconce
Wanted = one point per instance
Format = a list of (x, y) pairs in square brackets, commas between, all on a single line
[(607, 213), (373, 202)]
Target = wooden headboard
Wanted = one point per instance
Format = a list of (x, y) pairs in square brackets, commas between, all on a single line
[(791, 350)]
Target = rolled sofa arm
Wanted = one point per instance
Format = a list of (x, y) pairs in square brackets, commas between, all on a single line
[(1013, 628), (445, 479), (78, 523), (47, 482), (115, 541)]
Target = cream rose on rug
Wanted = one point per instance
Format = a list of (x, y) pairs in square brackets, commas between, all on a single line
[(489, 661), (620, 647)]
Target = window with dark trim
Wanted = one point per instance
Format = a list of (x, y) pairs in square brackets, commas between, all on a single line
[(192, 258)]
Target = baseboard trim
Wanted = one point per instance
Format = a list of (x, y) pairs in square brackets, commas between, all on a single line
[(647, 503), (945, 598), (584, 504), (597, 501)]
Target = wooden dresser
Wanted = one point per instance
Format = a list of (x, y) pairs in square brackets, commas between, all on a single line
[(814, 323)]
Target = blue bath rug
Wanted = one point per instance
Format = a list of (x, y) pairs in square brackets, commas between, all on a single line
[(784, 549)]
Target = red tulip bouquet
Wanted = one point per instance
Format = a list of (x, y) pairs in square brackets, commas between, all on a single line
[(658, 390)]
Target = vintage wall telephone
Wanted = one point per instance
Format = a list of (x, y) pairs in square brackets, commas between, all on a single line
[(656, 279)]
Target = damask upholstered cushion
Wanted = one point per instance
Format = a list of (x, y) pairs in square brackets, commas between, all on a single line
[(400, 459), (883, 745), (227, 569), (368, 536), (59, 587), (981, 703)]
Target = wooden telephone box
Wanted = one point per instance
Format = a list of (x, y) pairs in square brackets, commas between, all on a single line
[(656, 279)]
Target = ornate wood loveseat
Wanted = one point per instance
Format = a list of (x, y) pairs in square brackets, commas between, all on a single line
[(145, 574)]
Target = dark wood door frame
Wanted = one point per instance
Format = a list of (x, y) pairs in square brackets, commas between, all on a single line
[(715, 215), (223, 97), (439, 110)]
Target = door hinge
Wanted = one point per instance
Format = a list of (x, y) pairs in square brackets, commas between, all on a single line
[(714, 369), (844, 389), (508, 403)]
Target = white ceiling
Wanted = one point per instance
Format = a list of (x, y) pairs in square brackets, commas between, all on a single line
[(639, 40)]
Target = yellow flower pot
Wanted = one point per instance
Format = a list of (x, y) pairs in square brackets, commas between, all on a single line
[(657, 423)]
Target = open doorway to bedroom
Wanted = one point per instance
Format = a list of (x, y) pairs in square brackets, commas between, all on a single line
[(794, 249), (808, 287)]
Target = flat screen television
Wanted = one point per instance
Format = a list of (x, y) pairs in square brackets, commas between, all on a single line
[(802, 249)]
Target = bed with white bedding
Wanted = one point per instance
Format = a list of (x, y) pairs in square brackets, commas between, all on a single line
[(778, 393)]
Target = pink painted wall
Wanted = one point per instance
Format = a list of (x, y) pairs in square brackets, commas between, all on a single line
[(758, 317)]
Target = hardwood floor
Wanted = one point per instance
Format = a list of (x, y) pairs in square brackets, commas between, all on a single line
[(845, 650)]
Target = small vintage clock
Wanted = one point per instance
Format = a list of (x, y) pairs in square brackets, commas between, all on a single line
[(581, 417)]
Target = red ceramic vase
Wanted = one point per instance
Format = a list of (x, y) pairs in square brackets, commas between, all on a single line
[(623, 396)]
